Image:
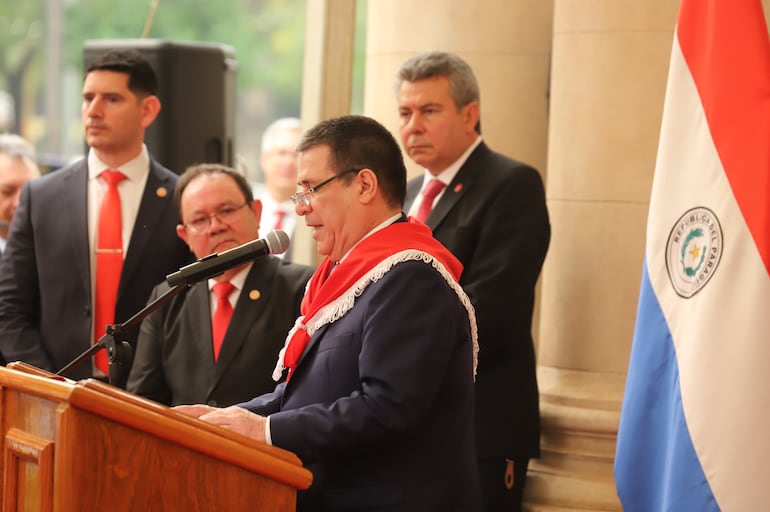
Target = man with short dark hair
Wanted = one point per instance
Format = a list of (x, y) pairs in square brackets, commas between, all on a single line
[(91, 240), (377, 374)]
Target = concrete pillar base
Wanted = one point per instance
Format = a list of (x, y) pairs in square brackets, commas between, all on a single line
[(579, 414)]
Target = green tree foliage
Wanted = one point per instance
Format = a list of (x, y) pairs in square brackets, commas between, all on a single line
[(268, 35), (21, 43)]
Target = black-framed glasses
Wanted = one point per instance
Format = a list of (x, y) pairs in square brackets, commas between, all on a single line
[(225, 215), (304, 197)]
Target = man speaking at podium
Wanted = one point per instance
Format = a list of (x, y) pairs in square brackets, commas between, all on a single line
[(217, 342), (376, 392)]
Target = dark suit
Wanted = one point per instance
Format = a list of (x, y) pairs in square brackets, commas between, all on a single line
[(493, 218), (174, 363), (379, 406), (45, 279)]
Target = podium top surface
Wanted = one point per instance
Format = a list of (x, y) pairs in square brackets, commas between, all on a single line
[(157, 420)]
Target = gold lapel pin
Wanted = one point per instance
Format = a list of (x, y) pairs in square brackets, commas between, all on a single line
[(161, 192), (254, 294)]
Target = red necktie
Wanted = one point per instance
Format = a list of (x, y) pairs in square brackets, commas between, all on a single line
[(432, 189), (222, 314), (109, 261), (280, 213)]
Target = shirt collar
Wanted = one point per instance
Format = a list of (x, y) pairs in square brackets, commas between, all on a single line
[(238, 280), (133, 169)]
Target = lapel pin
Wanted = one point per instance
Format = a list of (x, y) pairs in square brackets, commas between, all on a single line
[(458, 187), (254, 294), (161, 192)]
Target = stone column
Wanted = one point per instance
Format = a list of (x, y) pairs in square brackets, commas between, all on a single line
[(326, 83), (610, 64)]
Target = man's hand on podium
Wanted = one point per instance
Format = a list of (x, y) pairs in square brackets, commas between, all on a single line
[(234, 418)]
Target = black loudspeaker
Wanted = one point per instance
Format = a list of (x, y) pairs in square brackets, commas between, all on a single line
[(196, 87)]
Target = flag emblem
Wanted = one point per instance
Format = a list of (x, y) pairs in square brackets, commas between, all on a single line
[(693, 250)]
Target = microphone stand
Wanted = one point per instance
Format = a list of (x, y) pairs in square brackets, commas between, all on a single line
[(120, 355)]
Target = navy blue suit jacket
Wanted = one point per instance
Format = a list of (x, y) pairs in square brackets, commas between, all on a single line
[(45, 279), (493, 217), (380, 406)]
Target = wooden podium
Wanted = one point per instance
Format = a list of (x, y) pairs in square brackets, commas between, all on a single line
[(88, 446)]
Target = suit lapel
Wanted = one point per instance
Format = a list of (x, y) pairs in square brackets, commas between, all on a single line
[(76, 181), (151, 208), (314, 339), (462, 181), (199, 317)]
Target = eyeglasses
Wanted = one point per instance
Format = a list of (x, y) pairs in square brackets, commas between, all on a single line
[(225, 215), (304, 197)]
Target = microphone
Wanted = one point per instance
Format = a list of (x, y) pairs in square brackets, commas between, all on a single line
[(276, 242)]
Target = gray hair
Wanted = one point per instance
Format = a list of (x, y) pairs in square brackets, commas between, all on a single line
[(463, 87), (270, 135), (19, 148), (16, 146)]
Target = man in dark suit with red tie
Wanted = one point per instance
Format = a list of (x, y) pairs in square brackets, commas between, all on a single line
[(490, 211), (53, 302), (207, 346), (376, 391)]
